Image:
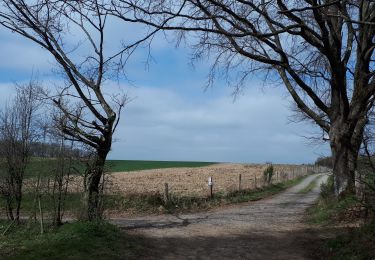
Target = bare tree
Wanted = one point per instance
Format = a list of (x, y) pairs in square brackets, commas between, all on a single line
[(74, 33), (62, 173), (18, 123), (321, 50)]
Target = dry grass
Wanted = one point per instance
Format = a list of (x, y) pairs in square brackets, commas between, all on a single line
[(183, 181), (193, 181)]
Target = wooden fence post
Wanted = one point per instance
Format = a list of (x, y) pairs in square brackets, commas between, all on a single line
[(166, 193), (211, 184), (239, 182), (41, 216)]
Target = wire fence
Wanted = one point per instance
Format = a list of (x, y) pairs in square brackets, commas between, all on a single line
[(208, 180)]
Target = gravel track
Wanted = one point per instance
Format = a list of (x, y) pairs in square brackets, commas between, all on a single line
[(271, 228)]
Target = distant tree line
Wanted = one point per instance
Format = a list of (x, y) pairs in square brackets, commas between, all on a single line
[(326, 161), (52, 150)]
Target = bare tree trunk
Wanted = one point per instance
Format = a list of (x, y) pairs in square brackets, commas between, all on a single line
[(93, 183), (18, 198), (342, 172), (41, 216), (345, 148), (57, 201), (9, 198), (59, 178), (9, 208), (57, 191), (37, 192)]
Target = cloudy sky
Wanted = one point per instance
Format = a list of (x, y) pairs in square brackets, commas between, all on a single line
[(171, 115)]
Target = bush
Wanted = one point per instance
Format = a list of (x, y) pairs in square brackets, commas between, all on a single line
[(268, 173), (326, 188)]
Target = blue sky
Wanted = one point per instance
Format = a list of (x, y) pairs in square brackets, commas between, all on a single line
[(172, 117)]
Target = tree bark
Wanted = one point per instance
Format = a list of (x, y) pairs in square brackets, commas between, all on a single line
[(345, 144), (18, 197), (93, 182), (9, 208), (343, 174)]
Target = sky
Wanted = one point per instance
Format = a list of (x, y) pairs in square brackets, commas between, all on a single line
[(172, 116)]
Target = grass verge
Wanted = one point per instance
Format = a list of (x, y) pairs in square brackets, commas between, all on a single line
[(329, 210), (347, 243), (79, 240), (355, 243)]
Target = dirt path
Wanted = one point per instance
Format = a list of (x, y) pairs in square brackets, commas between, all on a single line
[(268, 229)]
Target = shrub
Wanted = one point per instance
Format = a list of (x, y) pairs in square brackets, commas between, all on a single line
[(326, 188), (268, 173)]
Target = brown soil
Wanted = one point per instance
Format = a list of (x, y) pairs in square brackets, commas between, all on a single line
[(193, 181), (272, 228), (184, 181)]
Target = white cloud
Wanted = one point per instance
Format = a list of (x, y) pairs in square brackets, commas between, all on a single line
[(163, 125), (21, 54), (179, 122)]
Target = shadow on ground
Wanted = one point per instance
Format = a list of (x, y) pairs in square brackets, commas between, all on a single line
[(300, 244)]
